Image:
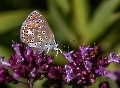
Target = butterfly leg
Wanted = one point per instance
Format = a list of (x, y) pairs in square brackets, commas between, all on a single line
[(48, 51), (57, 49)]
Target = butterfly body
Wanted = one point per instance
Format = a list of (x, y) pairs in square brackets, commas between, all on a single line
[(36, 32)]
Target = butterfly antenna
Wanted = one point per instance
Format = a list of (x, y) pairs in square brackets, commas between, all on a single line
[(58, 42)]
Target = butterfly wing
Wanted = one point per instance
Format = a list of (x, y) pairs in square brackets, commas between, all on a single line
[(36, 32)]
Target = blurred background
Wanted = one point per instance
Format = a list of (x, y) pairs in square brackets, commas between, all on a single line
[(73, 23)]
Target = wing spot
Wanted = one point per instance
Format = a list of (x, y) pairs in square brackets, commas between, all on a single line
[(41, 39), (42, 21), (43, 27), (39, 35), (46, 37), (43, 32), (38, 30), (38, 21), (39, 26)]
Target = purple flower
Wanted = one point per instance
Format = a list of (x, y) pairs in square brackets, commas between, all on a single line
[(55, 72), (114, 58), (101, 71), (85, 65), (111, 75), (69, 73), (68, 56), (3, 62), (5, 76), (114, 75), (29, 64), (104, 84)]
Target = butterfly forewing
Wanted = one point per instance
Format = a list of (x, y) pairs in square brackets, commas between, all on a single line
[(36, 32)]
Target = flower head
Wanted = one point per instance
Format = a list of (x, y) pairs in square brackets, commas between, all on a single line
[(55, 72), (29, 63), (114, 58), (85, 65)]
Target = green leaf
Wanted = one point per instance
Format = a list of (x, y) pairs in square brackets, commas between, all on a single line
[(101, 19), (61, 26), (63, 5), (67, 86), (80, 14)]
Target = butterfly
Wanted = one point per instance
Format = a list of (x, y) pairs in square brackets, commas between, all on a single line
[(35, 32)]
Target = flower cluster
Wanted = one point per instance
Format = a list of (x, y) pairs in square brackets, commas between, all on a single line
[(27, 63), (84, 65)]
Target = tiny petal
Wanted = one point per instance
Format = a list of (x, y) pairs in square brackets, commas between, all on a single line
[(18, 49), (101, 71), (29, 50), (70, 74), (84, 50), (88, 65), (15, 75), (4, 62), (68, 56), (114, 58), (33, 73), (111, 75), (92, 78)]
